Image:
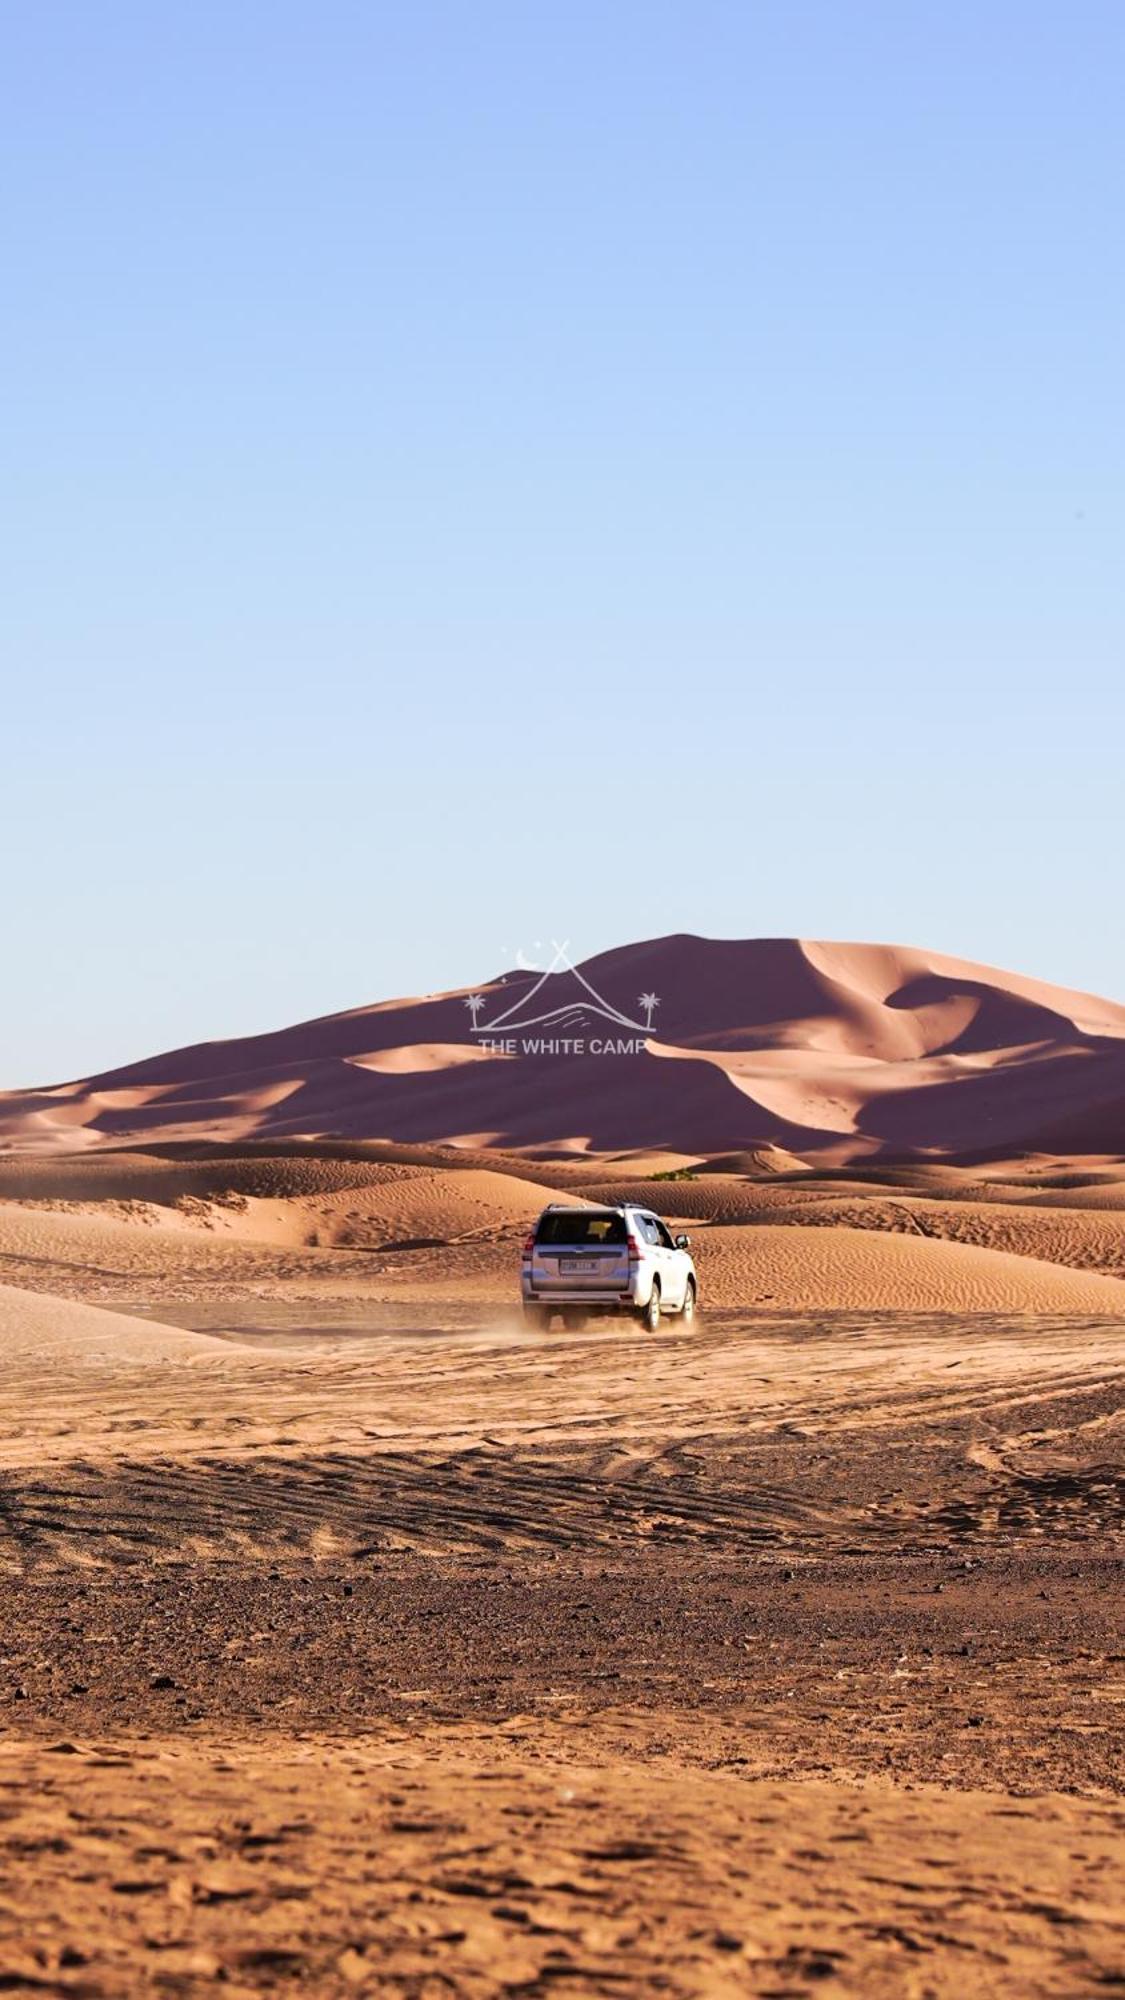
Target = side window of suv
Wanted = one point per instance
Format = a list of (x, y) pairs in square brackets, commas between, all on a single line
[(649, 1229), (662, 1235)]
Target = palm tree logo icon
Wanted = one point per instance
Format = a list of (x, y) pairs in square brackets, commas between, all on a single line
[(649, 1001), (474, 1003)]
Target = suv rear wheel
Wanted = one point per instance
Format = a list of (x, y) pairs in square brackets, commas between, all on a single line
[(651, 1313), (687, 1310)]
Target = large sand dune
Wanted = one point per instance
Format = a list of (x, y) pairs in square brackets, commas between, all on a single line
[(831, 1052)]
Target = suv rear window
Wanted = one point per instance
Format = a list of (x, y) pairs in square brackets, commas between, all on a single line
[(579, 1225)]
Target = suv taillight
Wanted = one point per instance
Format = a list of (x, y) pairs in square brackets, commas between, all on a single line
[(529, 1245), (634, 1249)]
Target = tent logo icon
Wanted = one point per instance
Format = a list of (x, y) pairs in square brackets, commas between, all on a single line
[(560, 999)]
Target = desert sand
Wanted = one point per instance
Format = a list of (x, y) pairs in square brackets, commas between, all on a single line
[(354, 1639), (830, 1052)]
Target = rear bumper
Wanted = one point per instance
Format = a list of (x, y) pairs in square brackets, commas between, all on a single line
[(588, 1301), (620, 1303)]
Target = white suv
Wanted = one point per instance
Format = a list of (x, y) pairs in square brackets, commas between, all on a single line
[(588, 1260)]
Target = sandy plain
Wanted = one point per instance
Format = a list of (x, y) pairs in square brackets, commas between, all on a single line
[(353, 1639)]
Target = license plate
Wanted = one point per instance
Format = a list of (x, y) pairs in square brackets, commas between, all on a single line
[(578, 1263)]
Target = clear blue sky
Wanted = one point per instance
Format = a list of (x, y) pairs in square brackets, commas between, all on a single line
[(482, 472)]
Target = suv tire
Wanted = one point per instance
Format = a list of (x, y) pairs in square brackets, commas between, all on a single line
[(651, 1313), (687, 1310)]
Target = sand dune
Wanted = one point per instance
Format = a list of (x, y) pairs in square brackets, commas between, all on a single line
[(1079, 1239), (45, 1332), (1085, 1240), (150, 1248), (445, 1205), (825, 1052), (395, 1230), (1111, 1196), (846, 1269), (424, 1056), (149, 1255)]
